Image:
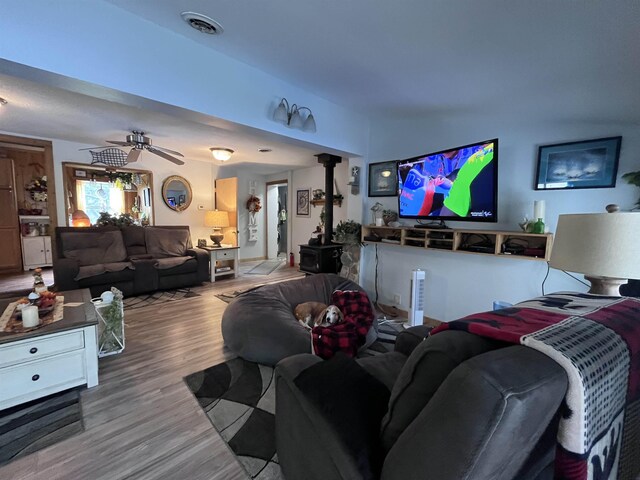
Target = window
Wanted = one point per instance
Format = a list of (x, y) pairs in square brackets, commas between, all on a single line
[(95, 197)]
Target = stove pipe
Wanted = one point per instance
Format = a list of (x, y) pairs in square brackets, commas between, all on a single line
[(329, 161)]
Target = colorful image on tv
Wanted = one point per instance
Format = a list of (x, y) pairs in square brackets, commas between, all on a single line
[(454, 184)]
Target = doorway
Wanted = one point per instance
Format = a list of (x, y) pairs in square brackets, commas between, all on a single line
[(277, 219)]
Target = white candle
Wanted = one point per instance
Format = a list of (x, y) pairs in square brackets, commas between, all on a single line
[(379, 222), (30, 316), (538, 210)]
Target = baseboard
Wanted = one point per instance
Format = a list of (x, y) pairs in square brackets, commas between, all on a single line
[(254, 259), (430, 322)]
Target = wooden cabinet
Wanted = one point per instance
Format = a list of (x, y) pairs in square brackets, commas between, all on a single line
[(36, 252), (9, 232), (530, 246)]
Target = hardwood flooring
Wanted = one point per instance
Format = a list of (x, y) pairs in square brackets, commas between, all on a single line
[(11, 282), (142, 422)]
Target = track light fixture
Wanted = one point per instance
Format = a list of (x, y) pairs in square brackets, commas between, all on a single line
[(292, 116)]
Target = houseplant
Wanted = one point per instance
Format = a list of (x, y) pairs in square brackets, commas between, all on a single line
[(348, 232), (634, 179)]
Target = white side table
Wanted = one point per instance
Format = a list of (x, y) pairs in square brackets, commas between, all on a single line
[(223, 261)]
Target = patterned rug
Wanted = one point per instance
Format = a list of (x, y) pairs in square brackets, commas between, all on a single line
[(157, 298), (239, 398), (266, 267), (32, 426)]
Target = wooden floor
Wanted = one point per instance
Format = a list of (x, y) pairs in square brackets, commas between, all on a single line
[(11, 282), (142, 422)]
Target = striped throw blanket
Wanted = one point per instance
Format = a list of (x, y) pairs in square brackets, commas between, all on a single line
[(596, 339)]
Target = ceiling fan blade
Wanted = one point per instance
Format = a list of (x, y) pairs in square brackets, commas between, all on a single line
[(166, 150), (133, 156), (93, 148), (122, 144), (165, 156)]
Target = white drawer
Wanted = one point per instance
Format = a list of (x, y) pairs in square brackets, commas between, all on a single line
[(42, 377), (225, 255), (38, 347)]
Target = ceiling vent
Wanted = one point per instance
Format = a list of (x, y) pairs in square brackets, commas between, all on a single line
[(202, 23)]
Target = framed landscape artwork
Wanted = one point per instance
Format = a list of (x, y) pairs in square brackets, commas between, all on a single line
[(584, 164), (302, 202), (383, 179)]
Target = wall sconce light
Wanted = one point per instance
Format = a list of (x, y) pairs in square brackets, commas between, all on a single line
[(222, 154), (3, 101), (292, 117)]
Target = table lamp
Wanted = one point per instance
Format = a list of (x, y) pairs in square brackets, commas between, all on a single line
[(218, 220), (603, 246), (80, 219)]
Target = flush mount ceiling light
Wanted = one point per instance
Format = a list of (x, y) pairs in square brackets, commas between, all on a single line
[(3, 101), (202, 23), (222, 154), (292, 116)]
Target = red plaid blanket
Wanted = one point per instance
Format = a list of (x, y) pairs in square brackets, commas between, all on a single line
[(597, 340), (350, 335)]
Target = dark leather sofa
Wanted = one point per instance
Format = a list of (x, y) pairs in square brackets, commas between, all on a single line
[(133, 259), (460, 407)]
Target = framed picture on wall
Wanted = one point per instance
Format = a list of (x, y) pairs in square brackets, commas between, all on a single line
[(302, 202), (383, 179), (575, 165)]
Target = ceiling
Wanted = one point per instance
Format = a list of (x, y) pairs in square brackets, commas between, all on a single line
[(545, 57), (40, 110)]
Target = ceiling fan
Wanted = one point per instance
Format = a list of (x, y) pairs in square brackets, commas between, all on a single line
[(139, 142)]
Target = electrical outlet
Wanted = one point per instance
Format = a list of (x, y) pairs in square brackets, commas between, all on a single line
[(396, 299)]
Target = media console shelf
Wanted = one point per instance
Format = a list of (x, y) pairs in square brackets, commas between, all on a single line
[(529, 246)]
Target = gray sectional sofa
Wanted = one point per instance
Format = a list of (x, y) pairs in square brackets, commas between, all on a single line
[(453, 406), (133, 259)]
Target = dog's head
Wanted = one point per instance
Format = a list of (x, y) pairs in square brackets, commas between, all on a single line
[(333, 315)]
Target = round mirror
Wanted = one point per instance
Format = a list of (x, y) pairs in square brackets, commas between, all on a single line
[(176, 193)]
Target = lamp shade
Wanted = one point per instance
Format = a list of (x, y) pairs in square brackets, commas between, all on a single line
[(80, 219), (598, 244), (216, 219), (309, 124), (281, 114)]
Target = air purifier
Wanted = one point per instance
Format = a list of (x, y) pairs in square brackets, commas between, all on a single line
[(416, 298)]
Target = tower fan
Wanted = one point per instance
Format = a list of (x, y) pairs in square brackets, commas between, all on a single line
[(416, 298)]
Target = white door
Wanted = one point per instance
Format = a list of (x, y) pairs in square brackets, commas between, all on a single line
[(33, 251), (272, 221)]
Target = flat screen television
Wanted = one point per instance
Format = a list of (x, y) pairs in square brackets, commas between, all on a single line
[(458, 184)]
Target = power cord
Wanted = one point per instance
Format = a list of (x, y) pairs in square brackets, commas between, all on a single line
[(394, 312), (566, 273)]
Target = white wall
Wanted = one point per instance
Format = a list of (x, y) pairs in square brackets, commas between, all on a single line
[(460, 284), (199, 174)]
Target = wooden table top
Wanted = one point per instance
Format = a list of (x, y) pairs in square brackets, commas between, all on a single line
[(78, 316)]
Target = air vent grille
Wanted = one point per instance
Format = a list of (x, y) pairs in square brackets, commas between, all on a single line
[(202, 23)]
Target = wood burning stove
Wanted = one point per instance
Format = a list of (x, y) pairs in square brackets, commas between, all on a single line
[(324, 258)]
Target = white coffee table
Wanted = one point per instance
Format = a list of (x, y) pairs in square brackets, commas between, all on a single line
[(53, 358)]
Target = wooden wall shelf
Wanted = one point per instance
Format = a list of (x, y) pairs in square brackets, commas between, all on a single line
[(500, 243), (315, 203)]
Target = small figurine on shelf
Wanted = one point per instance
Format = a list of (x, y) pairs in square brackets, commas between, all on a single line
[(38, 283)]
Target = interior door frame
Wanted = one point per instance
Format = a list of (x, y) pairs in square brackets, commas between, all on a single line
[(49, 170), (284, 181)]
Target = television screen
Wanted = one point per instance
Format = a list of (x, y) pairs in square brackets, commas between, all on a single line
[(456, 184)]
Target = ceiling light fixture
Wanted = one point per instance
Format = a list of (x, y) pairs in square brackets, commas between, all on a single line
[(202, 23), (291, 116), (222, 154), (3, 101), (265, 150)]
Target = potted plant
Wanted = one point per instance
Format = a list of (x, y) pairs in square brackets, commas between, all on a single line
[(634, 179), (389, 216), (348, 232)]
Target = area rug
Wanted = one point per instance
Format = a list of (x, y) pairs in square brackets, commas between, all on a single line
[(239, 398), (157, 298), (266, 267), (30, 427)]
